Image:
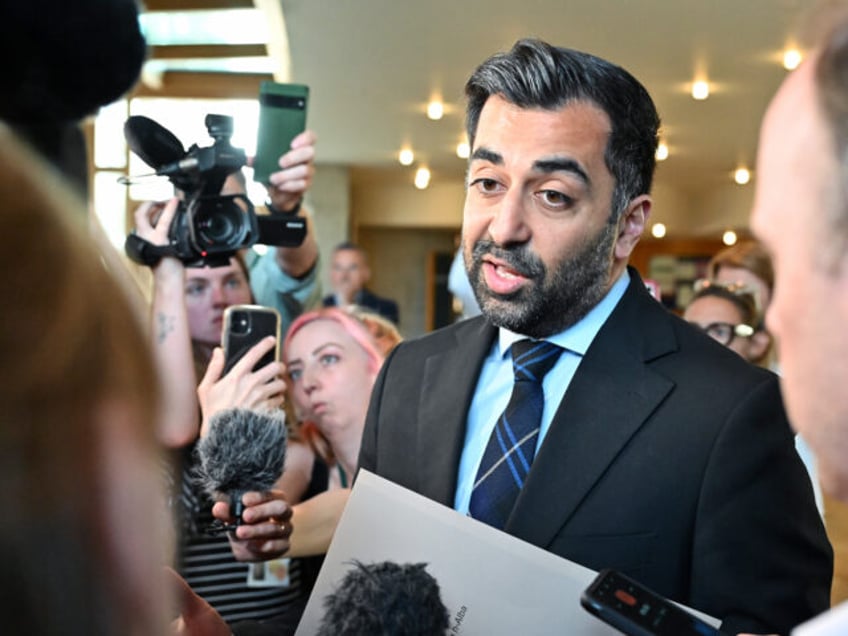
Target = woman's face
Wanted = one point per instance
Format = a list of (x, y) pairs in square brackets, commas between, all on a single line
[(330, 377), (208, 292), (711, 310)]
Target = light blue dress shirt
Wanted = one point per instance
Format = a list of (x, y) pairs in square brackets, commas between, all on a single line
[(496, 379)]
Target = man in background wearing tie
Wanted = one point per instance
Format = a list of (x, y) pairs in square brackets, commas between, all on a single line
[(629, 439)]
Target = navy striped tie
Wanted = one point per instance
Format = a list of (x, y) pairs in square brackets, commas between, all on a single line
[(512, 446)]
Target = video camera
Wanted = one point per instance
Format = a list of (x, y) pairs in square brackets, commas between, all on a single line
[(209, 227)]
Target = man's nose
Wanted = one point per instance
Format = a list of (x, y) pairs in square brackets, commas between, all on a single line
[(509, 220)]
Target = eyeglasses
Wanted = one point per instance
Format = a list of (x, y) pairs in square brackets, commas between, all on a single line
[(724, 332)]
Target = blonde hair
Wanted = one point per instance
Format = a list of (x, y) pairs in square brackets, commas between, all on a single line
[(354, 327), (749, 255), (385, 333)]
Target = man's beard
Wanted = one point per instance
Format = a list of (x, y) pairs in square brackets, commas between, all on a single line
[(549, 302)]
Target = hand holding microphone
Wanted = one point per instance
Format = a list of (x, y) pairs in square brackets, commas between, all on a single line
[(243, 451), (241, 458), (266, 528)]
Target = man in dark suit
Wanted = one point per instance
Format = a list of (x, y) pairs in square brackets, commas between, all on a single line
[(349, 273), (657, 451)]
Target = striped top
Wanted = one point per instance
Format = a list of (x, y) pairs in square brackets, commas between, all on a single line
[(208, 565)]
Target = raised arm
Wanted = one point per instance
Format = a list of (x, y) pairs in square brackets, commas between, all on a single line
[(179, 420), (285, 193)]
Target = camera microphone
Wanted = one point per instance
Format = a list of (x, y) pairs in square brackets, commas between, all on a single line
[(178, 167), (243, 451), (153, 143)]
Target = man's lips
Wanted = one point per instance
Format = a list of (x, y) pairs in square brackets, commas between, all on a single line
[(501, 278)]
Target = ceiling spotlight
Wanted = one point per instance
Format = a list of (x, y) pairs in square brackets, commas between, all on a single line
[(742, 176), (463, 150), (791, 59), (435, 109), (658, 230), (662, 151), (700, 89), (729, 238), (422, 178), (406, 157)]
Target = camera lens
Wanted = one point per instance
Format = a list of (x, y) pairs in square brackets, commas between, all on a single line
[(220, 224), (217, 228)]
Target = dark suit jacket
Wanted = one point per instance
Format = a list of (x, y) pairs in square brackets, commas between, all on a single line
[(386, 307), (670, 458)]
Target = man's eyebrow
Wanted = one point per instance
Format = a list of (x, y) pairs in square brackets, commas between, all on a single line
[(562, 165), (555, 164), (484, 154)]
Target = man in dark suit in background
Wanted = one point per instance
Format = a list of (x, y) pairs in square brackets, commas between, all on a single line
[(657, 451), (349, 273)]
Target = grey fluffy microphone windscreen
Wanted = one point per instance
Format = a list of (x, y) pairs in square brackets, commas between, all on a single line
[(385, 598), (243, 451)]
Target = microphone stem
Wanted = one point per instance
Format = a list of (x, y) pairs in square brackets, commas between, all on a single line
[(237, 507)]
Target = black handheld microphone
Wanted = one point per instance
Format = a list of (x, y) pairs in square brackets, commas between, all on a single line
[(243, 451)]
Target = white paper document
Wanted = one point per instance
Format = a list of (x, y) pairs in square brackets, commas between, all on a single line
[(491, 582)]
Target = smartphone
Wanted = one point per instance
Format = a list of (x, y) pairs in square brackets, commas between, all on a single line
[(244, 326), (282, 117), (635, 610)]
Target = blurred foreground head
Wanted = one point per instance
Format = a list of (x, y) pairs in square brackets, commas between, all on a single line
[(800, 214), (62, 61), (82, 539)]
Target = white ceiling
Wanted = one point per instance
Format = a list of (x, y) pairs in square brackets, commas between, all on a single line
[(373, 64)]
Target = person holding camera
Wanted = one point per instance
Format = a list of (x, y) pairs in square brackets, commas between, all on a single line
[(188, 306)]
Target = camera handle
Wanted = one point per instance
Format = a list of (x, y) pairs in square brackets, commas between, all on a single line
[(144, 252)]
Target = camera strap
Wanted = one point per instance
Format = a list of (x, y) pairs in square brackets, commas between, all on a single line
[(144, 252)]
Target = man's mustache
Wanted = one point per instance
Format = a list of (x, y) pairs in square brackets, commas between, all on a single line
[(518, 257)]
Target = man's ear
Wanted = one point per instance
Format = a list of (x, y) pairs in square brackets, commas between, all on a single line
[(631, 225)]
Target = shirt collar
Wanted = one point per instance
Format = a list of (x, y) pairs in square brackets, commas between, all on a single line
[(580, 335)]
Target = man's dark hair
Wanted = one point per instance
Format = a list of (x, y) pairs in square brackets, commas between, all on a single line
[(348, 245), (385, 599), (535, 74)]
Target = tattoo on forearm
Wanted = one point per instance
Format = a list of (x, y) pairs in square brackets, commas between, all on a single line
[(164, 326)]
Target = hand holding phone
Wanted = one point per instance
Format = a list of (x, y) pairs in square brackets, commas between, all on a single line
[(282, 117), (244, 326), (636, 610)]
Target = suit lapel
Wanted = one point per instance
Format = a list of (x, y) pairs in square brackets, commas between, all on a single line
[(448, 380), (611, 395)]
